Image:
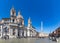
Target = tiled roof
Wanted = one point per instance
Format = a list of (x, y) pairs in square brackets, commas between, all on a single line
[(5, 18)]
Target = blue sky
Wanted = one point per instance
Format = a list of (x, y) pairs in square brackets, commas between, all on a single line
[(47, 11)]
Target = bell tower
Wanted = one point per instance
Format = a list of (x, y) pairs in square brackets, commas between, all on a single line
[(29, 22), (13, 15), (41, 26)]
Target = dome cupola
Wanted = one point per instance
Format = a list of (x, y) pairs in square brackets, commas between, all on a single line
[(19, 15)]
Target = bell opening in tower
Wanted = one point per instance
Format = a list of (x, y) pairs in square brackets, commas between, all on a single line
[(13, 20)]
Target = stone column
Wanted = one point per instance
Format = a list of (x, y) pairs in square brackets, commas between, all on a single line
[(11, 31), (16, 31), (21, 33), (28, 33), (24, 33), (1, 31), (31, 34)]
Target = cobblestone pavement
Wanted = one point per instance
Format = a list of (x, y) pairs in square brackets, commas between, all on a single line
[(28, 40)]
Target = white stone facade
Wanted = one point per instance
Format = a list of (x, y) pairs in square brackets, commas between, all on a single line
[(14, 27)]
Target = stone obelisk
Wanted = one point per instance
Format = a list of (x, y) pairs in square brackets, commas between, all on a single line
[(41, 26)]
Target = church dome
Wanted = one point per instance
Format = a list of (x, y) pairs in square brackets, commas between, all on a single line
[(19, 15)]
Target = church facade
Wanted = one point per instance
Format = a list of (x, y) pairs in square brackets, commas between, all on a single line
[(14, 27)]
